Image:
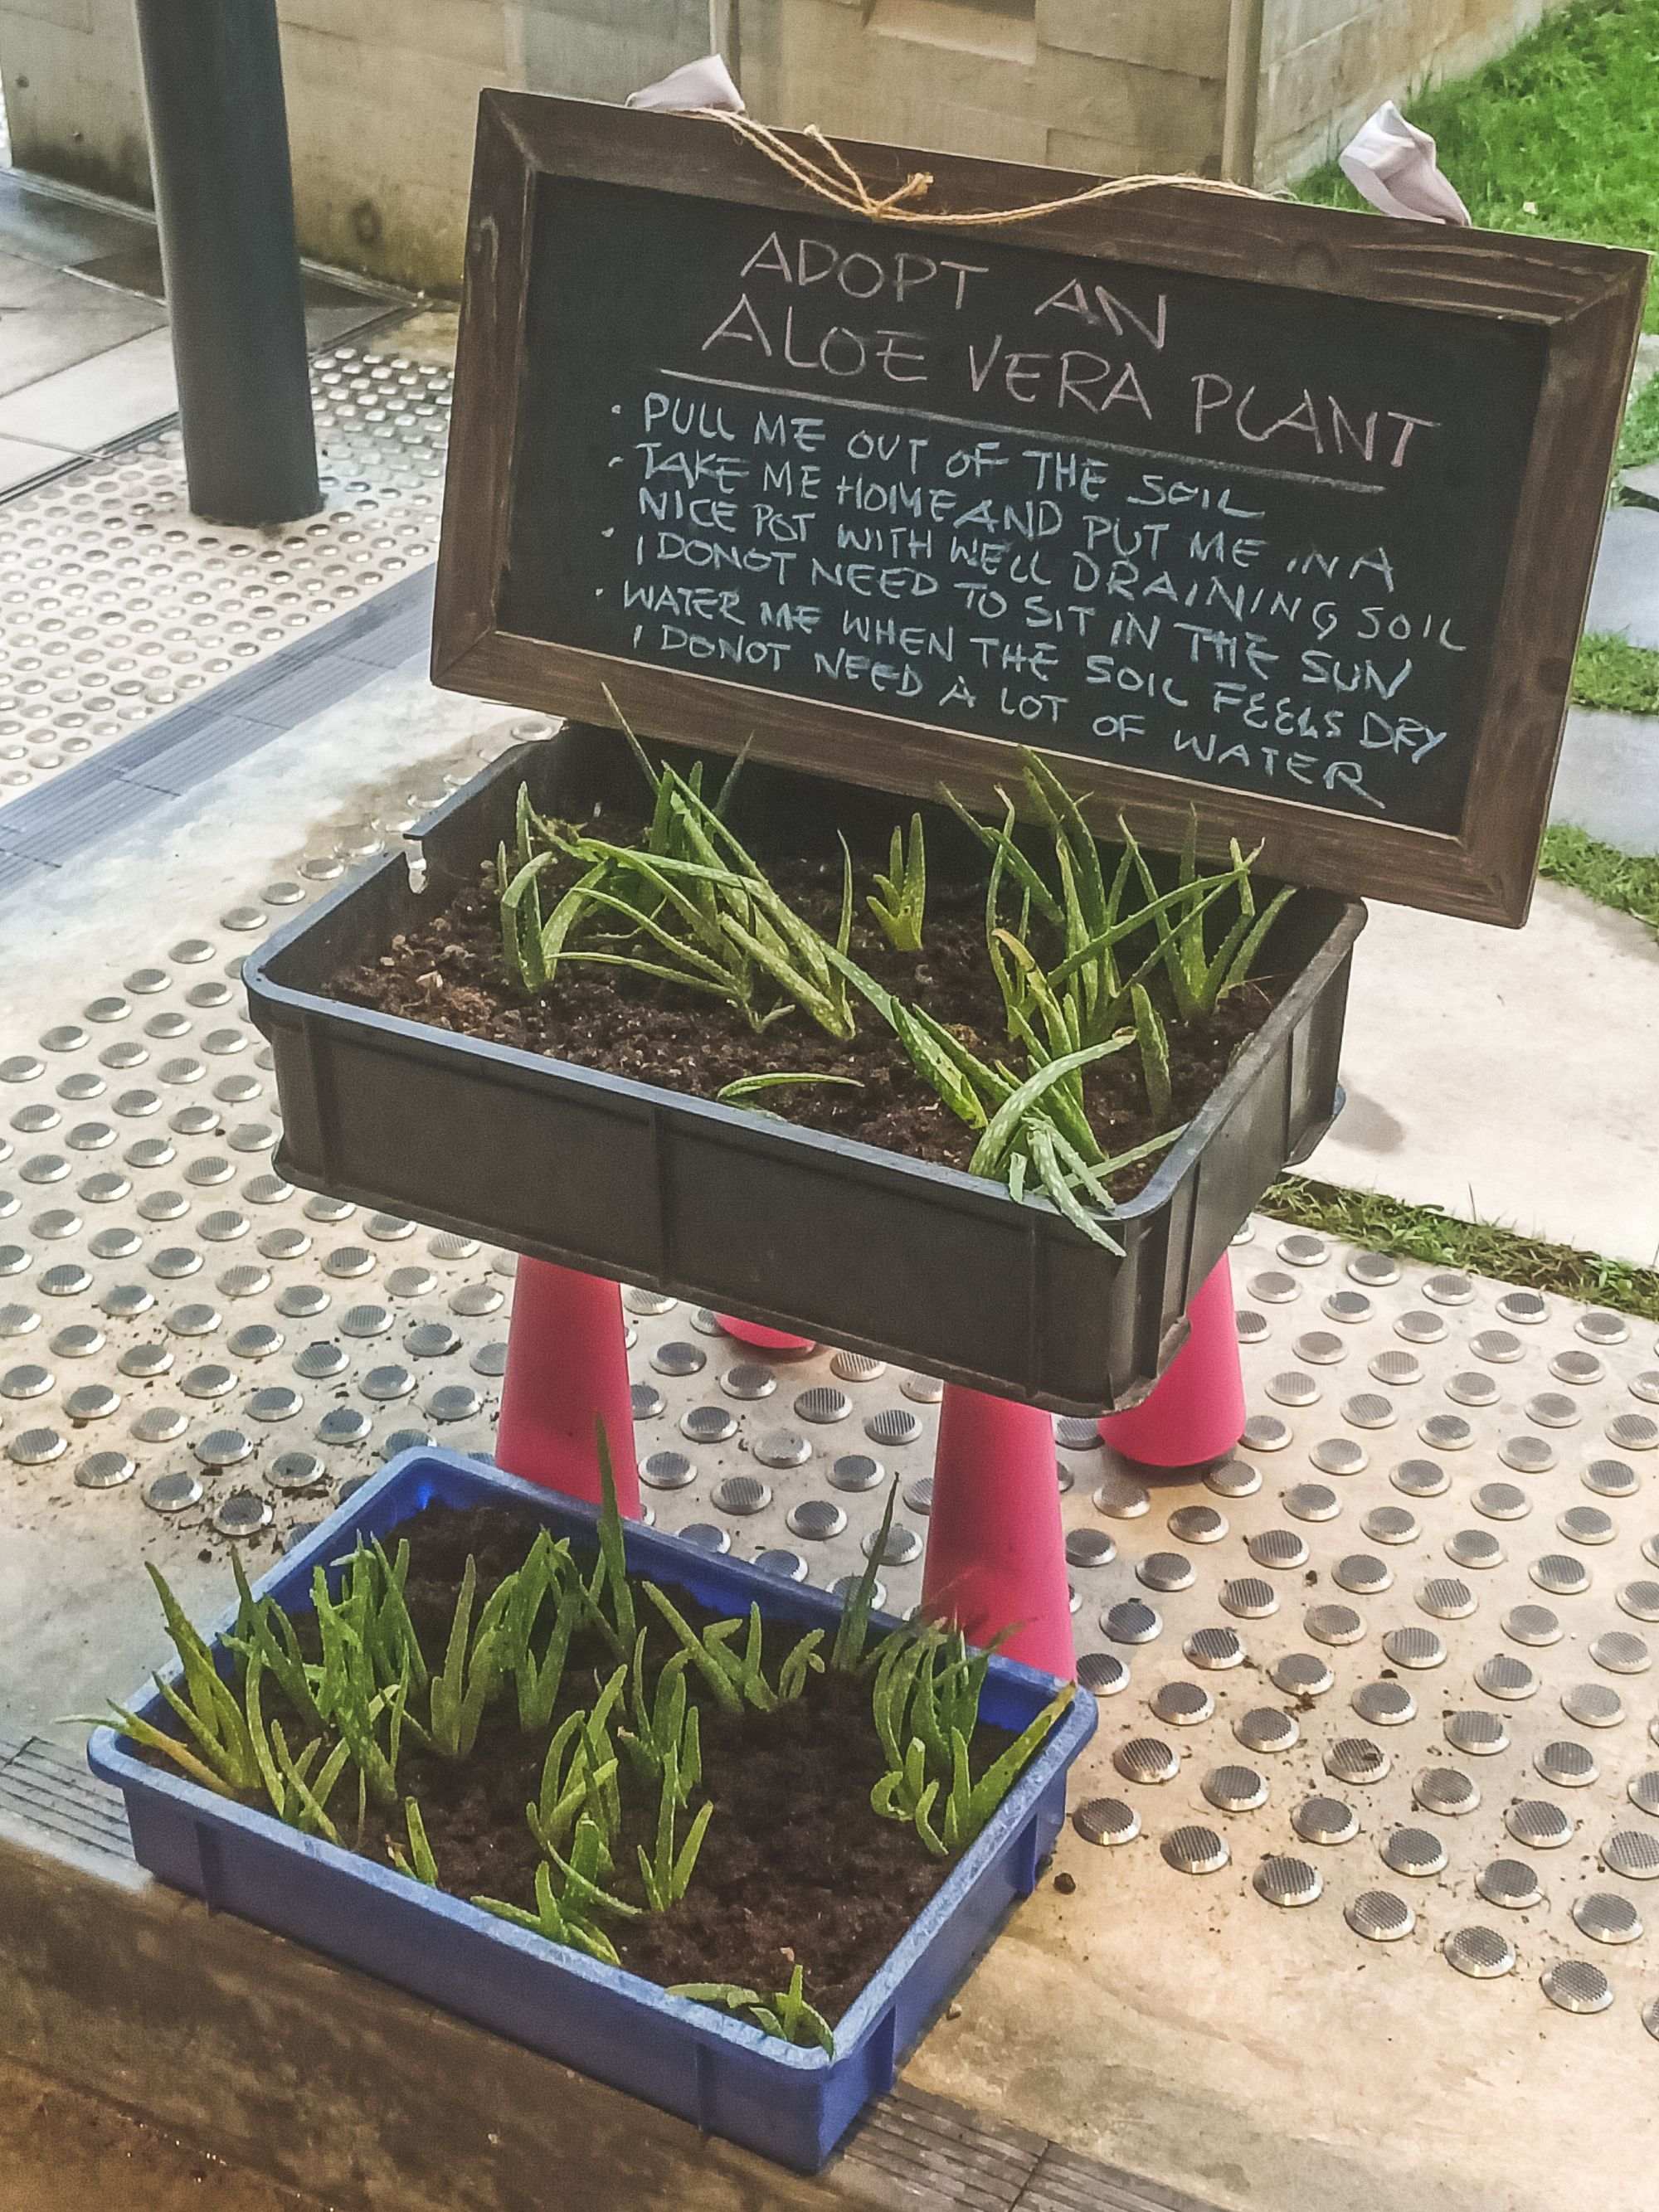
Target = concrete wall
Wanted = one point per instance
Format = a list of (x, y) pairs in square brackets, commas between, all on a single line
[(1083, 83), (1325, 64), (382, 101), (382, 94), (606, 49), (70, 73)]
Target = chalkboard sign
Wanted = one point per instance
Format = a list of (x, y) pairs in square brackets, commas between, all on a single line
[(1165, 521), (1280, 513)]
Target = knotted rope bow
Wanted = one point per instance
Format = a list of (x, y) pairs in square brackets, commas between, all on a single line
[(834, 178)]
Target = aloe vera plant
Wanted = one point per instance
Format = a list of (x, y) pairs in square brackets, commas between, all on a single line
[(351, 1699), (527, 939), (708, 1664), (547, 1573), (1093, 1002), (1199, 979), (369, 1604), (299, 1787), (417, 1862), (574, 1915), (608, 1595), (720, 929), (666, 1872), (971, 1804), (372, 1598), (748, 1087), (1035, 1133), (744, 1669), (263, 1635), (1152, 1039), (580, 1779), (798, 1664), (905, 1793), (926, 1707), (665, 1726), (217, 1748), (899, 902), (945, 1690), (687, 904), (472, 1669), (394, 1646), (737, 1677), (891, 1698), (788, 2015), (605, 1810), (573, 1782), (1117, 935), (852, 1630)]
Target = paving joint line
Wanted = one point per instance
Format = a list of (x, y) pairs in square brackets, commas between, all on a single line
[(112, 449)]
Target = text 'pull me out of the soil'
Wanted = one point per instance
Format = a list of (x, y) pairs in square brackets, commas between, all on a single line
[(1249, 537)]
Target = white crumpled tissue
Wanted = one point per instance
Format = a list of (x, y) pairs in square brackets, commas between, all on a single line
[(706, 83), (1392, 163)]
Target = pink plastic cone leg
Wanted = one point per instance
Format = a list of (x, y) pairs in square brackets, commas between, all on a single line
[(567, 1368), (1197, 1411), (996, 1555), (764, 1339)]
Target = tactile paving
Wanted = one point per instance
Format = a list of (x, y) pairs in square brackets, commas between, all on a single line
[(251, 1396), (120, 606)]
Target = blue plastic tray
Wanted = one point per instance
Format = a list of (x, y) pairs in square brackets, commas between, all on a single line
[(728, 2079)]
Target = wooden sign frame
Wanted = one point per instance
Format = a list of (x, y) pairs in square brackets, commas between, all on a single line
[(1587, 300)]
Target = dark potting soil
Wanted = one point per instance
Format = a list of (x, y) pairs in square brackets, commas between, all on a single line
[(449, 973), (794, 1868)]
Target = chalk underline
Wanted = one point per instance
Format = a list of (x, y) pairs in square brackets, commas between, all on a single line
[(1056, 437)]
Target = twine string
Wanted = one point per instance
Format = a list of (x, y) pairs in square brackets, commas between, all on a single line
[(834, 178)]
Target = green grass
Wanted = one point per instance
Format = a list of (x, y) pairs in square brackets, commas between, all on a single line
[(1612, 672), (1559, 137), (1441, 1240), (1602, 873), (1638, 441)]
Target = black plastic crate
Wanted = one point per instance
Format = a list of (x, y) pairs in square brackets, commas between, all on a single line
[(847, 1243)]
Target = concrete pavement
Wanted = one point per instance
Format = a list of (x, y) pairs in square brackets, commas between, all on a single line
[(1508, 1076), (1608, 782), (62, 2150), (1624, 597), (86, 358)]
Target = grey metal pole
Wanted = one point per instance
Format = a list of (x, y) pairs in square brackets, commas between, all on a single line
[(1244, 91), (224, 201)]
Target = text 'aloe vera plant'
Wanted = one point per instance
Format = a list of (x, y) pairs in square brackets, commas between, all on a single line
[(1092, 956)]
